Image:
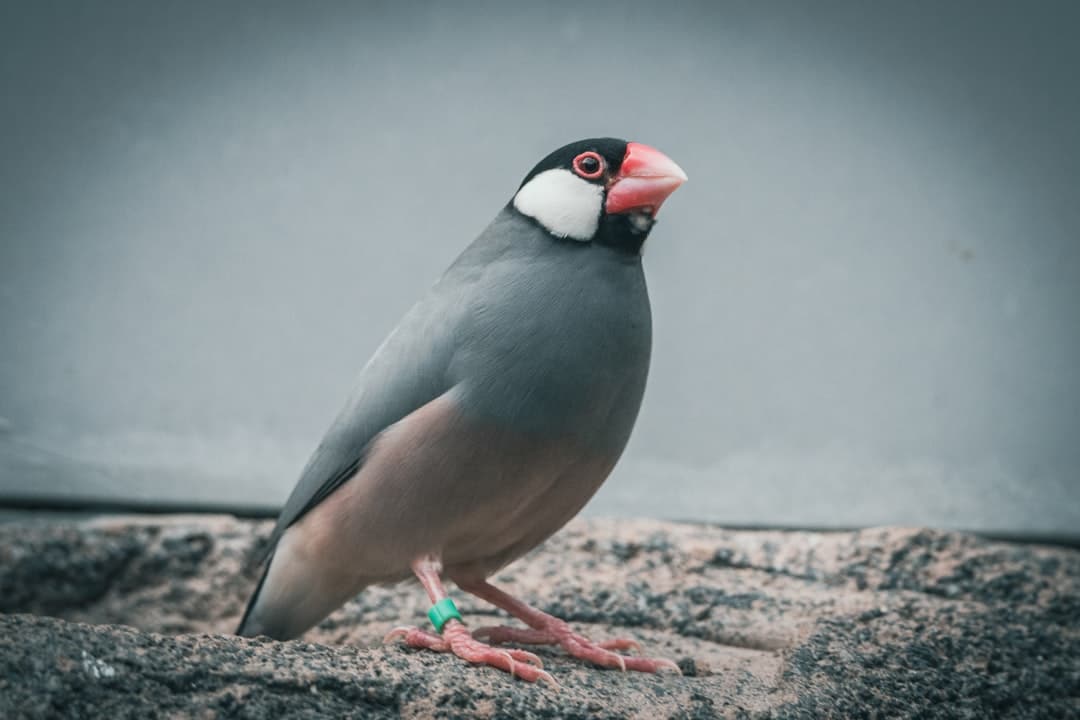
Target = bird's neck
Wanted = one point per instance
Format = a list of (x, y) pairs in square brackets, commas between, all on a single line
[(624, 233)]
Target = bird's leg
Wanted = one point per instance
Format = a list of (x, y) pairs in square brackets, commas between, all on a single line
[(545, 629), (455, 637)]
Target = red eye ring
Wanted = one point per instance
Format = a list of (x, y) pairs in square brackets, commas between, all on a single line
[(589, 165)]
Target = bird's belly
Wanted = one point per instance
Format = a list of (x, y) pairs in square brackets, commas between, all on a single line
[(476, 494), (540, 501)]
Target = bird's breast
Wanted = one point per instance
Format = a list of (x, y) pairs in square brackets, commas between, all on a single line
[(559, 347)]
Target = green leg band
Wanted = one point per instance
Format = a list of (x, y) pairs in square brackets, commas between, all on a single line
[(442, 611)]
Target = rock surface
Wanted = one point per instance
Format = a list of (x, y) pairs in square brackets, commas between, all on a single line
[(130, 617)]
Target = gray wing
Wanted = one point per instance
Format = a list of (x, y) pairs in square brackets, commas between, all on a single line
[(410, 369), (407, 371)]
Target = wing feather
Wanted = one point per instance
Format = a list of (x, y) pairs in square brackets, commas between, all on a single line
[(407, 371)]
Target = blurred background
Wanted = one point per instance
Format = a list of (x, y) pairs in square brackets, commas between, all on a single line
[(865, 299)]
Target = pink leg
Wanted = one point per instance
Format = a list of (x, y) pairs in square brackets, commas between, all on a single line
[(456, 638), (547, 630)]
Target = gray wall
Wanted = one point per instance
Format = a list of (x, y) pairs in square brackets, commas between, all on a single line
[(865, 298)]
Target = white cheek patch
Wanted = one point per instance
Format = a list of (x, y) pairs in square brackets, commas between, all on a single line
[(566, 205)]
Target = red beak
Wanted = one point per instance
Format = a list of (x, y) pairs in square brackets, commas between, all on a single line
[(646, 178)]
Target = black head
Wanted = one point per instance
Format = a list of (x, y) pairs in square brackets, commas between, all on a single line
[(579, 157), (602, 190)]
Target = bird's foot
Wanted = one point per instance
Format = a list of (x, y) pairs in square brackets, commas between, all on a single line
[(558, 632), (456, 639)]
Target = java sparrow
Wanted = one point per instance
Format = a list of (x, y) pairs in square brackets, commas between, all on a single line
[(488, 417)]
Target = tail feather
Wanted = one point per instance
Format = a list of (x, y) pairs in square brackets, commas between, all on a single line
[(295, 593), (243, 629)]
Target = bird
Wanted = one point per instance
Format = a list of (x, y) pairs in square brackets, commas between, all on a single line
[(487, 419)]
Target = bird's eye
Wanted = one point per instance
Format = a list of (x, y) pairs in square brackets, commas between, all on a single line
[(589, 165)]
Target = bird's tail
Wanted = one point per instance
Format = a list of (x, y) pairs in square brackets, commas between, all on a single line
[(245, 628), (294, 594)]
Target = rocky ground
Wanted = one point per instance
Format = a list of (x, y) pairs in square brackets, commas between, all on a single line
[(130, 617)]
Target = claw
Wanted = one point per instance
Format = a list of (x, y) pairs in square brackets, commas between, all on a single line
[(546, 677), (527, 657), (620, 644), (399, 632), (664, 663), (510, 660)]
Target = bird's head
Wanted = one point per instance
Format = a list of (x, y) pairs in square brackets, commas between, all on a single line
[(603, 190)]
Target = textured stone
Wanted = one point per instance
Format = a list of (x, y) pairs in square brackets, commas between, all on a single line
[(130, 617)]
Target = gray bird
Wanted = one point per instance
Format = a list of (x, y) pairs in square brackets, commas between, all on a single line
[(488, 417)]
